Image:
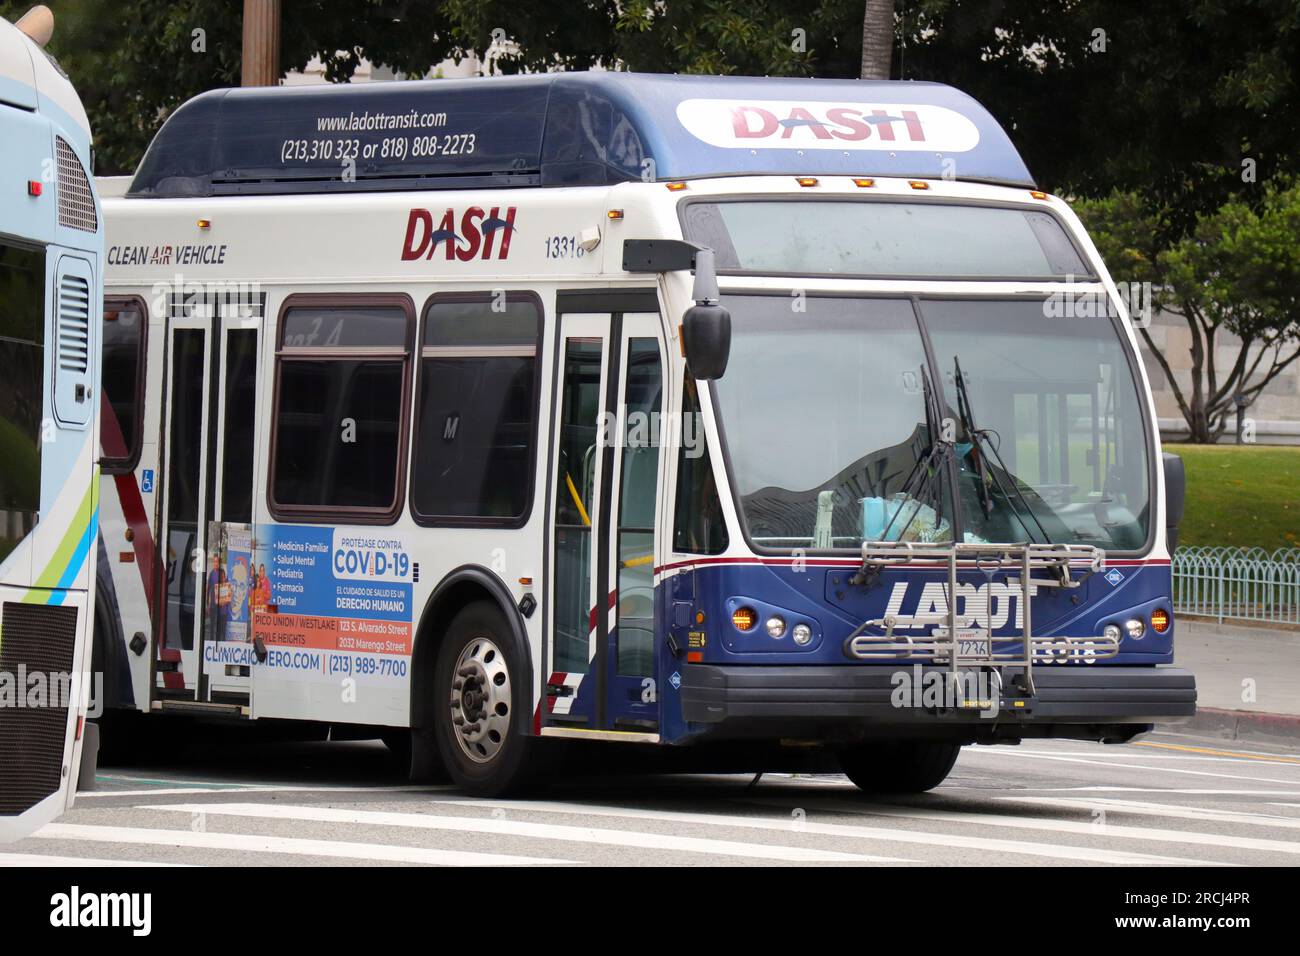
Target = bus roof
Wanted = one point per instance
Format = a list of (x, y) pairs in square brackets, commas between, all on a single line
[(569, 129), (31, 80)]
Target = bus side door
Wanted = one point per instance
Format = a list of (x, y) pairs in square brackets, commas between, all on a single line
[(605, 479)]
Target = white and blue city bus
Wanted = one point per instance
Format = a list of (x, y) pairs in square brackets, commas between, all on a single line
[(780, 418), (51, 249)]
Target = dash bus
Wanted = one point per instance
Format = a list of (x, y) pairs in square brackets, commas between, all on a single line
[(732, 415), (51, 247)]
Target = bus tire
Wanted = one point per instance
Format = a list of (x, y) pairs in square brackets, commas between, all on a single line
[(480, 691), (899, 766), (112, 743)]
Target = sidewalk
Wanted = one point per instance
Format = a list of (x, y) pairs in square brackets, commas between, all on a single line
[(1223, 656)]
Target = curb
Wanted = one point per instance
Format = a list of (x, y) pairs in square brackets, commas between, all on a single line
[(1241, 725)]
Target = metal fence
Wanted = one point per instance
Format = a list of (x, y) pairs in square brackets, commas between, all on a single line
[(1243, 583)]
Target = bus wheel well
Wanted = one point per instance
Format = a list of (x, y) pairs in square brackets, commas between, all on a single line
[(462, 587), (105, 656)]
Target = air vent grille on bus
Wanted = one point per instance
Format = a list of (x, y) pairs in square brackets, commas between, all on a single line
[(35, 639), (76, 203), (74, 323)]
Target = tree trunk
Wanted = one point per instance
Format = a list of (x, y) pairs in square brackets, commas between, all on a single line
[(877, 39), (261, 51)]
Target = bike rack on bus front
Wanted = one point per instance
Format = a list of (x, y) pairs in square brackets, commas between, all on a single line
[(952, 641)]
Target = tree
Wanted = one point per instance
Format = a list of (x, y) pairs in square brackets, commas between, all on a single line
[(1236, 272), (877, 39), (1169, 97)]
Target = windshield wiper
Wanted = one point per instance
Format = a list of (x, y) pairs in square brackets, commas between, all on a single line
[(980, 440), (928, 464)]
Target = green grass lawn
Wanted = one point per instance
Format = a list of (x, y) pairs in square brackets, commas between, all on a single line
[(1241, 495)]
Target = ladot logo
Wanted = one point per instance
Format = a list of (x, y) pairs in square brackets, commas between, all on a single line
[(989, 605), (789, 124), (76, 909)]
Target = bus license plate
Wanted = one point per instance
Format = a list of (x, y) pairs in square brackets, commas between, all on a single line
[(973, 643)]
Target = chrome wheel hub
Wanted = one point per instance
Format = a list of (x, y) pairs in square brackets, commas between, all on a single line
[(480, 700)]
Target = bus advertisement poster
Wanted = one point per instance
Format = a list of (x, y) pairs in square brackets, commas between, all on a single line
[(339, 599), (228, 592)]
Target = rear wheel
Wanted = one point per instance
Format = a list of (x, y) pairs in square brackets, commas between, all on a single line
[(113, 739), (479, 703), (899, 766)]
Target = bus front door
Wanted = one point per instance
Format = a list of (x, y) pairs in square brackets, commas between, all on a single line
[(601, 660), (632, 688)]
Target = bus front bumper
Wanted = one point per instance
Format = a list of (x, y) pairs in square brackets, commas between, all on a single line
[(1094, 702)]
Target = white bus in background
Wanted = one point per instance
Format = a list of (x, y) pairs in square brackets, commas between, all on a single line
[(637, 409), (51, 252)]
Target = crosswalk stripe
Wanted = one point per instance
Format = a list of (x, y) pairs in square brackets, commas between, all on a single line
[(1010, 752), (41, 859), (880, 834), (1069, 826), (1163, 810), (1182, 791), (541, 831), (199, 788), (295, 846)]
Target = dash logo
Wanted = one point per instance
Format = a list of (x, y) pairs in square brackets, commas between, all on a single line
[(786, 124), (76, 909), (475, 234)]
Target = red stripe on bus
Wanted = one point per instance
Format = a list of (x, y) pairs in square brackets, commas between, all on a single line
[(128, 494), (841, 563)]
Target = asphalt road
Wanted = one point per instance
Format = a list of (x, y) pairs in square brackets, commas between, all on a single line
[(1164, 800)]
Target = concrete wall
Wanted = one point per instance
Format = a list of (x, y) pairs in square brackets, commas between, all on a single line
[(1276, 412)]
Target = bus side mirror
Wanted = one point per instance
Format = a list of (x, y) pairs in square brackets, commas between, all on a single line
[(706, 326), (1175, 496)]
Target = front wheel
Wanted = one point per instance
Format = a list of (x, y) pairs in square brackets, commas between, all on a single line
[(480, 704), (899, 766)]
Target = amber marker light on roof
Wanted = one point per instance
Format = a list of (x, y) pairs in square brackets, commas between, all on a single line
[(806, 180), (614, 214), (676, 187), (918, 184), (205, 223), (864, 183), (1038, 194)]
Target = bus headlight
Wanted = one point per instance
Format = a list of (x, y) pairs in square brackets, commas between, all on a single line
[(776, 626), (802, 634), (1135, 628), (1112, 632)]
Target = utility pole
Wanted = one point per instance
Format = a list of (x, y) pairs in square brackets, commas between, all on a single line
[(261, 60)]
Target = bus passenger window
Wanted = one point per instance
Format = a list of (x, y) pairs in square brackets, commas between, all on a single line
[(476, 409), (22, 356), (122, 391), (341, 373), (698, 527)]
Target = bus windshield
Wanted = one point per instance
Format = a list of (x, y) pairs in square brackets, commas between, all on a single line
[(1014, 427), (883, 238)]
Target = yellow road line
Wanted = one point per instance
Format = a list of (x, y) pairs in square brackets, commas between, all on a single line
[(1218, 753)]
